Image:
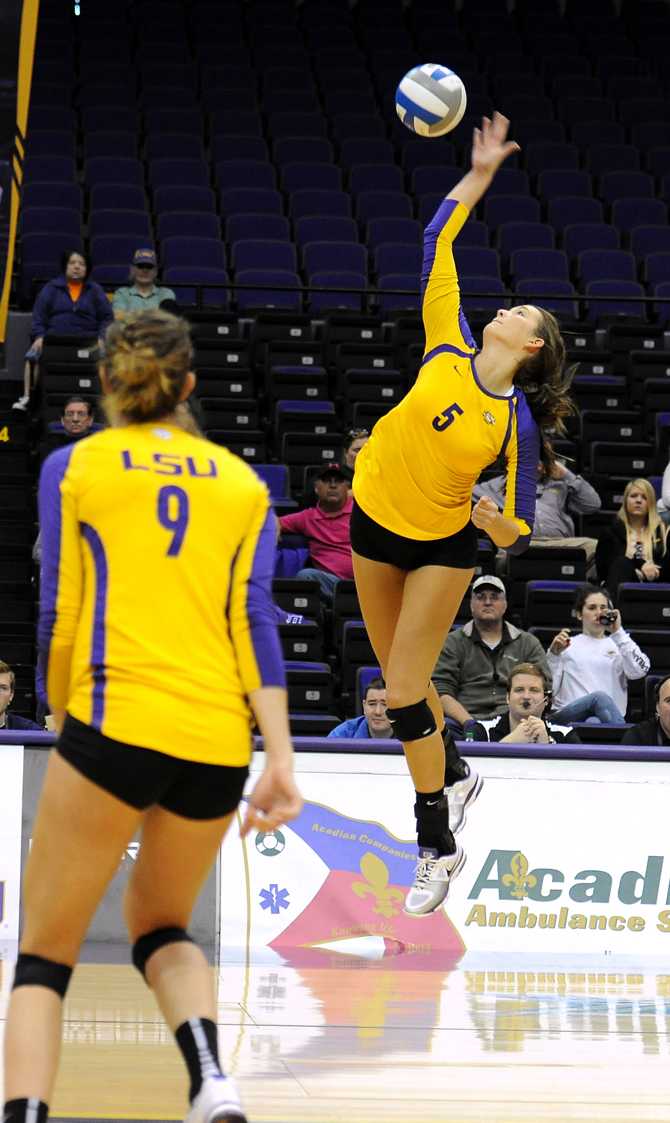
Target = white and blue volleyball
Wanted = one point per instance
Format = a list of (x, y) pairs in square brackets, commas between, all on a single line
[(430, 100)]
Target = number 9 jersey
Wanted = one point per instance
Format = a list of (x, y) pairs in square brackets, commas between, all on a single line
[(156, 615), (416, 473)]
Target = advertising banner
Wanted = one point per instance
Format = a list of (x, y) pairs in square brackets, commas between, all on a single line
[(11, 800), (562, 857)]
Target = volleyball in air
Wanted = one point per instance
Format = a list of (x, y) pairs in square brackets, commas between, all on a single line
[(430, 100)]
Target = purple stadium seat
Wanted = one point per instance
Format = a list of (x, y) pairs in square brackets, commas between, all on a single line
[(112, 169), (375, 177), (249, 200), (118, 196), (396, 257), (575, 85), (656, 269), (559, 182), (662, 307), (259, 253), (658, 160), (625, 185), (431, 179), (162, 146), (230, 122), (510, 181), (602, 158), (346, 125), (382, 204), (172, 172), (524, 235), (206, 252), (538, 263), (66, 195), (472, 285), (650, 134), (44, 220), (184, 198), (397, 230), (195, 224), (108, 143), (348, 257), (587, 133), (568, 210), (542, 157), (526, 132), (419, 154), (319, 177), (643, 109), (242, 226), (649, 239), (51, 169), (307, 202), (388, 302), (293, 149), (265, 294), (615, 307), (536, 107), (50, 142), (473, 261), (246, 173), (52, 117), (332, 278), (188, 121), (106, 118), (545, 293), (110, 275), (337, 102), (583, 236), (113, 249), (612, 265), (629, 213), (282, 124), (93, 94), (315, 228), (183, 278), (226, 147), (369, 150), (510, 208), (474, 233), (571, 109), (134, 223)]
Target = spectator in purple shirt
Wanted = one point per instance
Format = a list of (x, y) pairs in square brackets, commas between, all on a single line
[(326, 528), (7, 720)]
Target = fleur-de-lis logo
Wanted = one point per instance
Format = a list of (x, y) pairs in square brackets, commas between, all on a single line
[(376, 882), (519, 876), (488, 417)]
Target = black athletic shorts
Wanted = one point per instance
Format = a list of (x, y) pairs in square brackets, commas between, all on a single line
[(375, 542), (143, 777)]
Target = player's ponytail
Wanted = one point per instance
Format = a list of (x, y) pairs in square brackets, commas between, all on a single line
[(546, 385), (147, 357)]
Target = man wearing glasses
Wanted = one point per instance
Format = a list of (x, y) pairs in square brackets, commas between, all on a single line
[(471, 672), (143, 293)]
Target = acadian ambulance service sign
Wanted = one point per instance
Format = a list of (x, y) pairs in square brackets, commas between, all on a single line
[(562, 856)]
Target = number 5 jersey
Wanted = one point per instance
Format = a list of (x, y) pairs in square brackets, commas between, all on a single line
[(156, 616), (416, 473)]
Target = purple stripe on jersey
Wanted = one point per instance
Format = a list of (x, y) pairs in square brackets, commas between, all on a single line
[(445, 347), (430, 236), (508, 431), (528, 455), (261, 610), (99, 612), (465, 329), (49, 501)]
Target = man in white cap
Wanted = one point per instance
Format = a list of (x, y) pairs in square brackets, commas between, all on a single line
[(142, 294), (471, 672)]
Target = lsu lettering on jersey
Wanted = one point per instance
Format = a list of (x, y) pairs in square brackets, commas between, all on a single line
[(416, 473), (156, 615)]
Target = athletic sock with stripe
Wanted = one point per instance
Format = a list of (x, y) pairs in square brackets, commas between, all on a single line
[(197, 1040), (25, 1111)]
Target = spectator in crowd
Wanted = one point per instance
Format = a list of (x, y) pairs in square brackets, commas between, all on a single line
[(656, 729), (71, 304), (526, 721), (374, 722), (590, 671), (560, 495), (142, 293), (663, 505), (77, 417), (471, 672), (7, 685), (326, 528), (634, 547), (353, 443)]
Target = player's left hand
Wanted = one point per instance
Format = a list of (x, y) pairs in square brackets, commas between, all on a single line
[(275, 800), (484, 513)]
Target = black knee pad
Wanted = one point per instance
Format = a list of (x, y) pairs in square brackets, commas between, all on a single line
[(35, 971), (152, 941), (412, 723)]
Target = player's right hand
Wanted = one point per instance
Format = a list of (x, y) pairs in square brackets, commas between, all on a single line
[(560, 642), (274, 800)]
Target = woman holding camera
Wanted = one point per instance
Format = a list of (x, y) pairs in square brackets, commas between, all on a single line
[(590, 671)]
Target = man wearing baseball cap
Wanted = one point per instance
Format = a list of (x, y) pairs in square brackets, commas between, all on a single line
[(326, 528), (471, 672), (142, 294)]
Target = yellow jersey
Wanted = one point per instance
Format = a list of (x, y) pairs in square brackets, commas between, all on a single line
[(415, 474), (156, 615)]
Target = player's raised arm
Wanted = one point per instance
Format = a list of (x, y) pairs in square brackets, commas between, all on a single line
[(443, 321)]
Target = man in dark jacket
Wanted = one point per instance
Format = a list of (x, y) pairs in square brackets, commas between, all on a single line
[(69, 305), (471, 672), (656, 729), (526, 721), (7, 720)]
